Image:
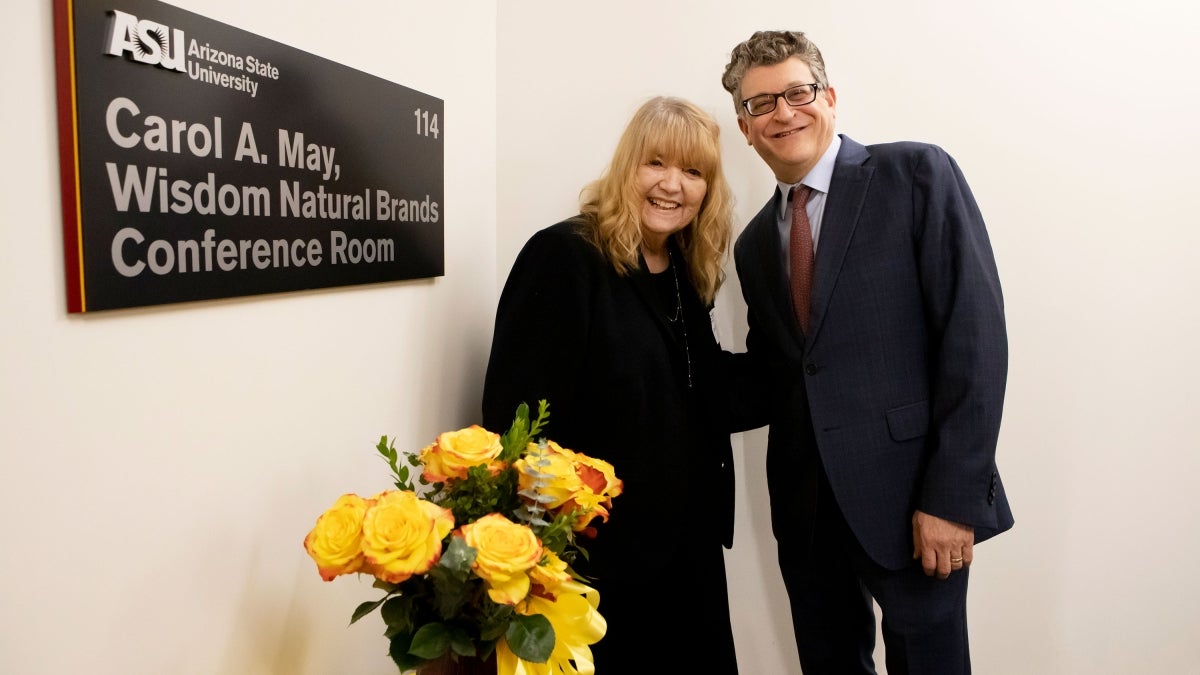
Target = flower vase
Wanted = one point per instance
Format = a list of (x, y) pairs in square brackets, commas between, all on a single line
[(448, 665)]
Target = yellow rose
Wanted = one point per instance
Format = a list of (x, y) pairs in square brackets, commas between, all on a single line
[(572, 482), (551, 470), (505, 552), (601, 485), (586, 508), (549, 574), (599, 476), (334, 543), (402, 535), (456, 451)]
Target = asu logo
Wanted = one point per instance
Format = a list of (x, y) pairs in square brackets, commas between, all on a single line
[(146, 42)]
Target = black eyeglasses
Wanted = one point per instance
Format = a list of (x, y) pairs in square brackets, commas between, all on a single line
[(801, 94)]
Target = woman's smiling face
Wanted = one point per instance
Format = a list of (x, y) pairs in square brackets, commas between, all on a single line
[(671, 197)]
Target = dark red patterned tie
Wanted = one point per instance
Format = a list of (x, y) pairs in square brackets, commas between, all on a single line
[(801, 255)]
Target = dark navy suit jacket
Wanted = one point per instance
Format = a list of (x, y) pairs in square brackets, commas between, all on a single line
[(899, 385)]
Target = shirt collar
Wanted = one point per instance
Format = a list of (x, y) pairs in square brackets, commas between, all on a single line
[(818, 178)]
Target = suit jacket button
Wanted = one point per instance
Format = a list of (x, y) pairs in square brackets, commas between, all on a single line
[(811, 369)]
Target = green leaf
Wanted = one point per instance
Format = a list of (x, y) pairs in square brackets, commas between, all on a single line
[(514, 440), (542, 420), (388, 450), (558, 535), (521, 418), (399, 614), (453, 584), (458, 556), (461, 643), (522, 430), (365, 609), (430, 641), (486, 650), (530, 637), (385, 586), (398, 650)]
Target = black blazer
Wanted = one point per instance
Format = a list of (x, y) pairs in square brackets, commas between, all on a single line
[(598, 347), (900, 383)]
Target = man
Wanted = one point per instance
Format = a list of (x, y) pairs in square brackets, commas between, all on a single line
[(886, 393)]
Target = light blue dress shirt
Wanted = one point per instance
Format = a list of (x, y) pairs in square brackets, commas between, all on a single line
[(818, 179)]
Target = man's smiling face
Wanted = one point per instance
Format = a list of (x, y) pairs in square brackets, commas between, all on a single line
[(790, 139)]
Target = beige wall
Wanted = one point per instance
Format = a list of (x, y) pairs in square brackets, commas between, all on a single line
[(161, 466)]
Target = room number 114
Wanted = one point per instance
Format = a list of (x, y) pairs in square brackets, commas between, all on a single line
[(427, 125)]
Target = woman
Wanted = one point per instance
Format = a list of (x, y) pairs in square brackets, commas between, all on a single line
[(605, 315)]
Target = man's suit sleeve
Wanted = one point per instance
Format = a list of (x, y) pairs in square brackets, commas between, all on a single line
[(965, 310)]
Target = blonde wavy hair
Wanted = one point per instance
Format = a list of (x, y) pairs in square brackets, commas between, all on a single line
[(680, 133)]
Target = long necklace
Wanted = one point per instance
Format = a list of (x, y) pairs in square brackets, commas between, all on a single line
[(679, 317)]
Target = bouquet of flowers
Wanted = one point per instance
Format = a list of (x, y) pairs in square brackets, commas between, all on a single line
[(474, 557)]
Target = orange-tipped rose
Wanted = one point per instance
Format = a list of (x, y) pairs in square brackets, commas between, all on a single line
[(601, 485), (599, 476), (570, 482), (456, 451), (335, 541), (548, 575), (505, 552), (402, 535), (551, 471)]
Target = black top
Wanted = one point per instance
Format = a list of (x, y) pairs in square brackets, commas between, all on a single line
[(600, 348)]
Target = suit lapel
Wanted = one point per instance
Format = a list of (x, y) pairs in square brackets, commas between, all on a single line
[(762, 233), (765, 237), (843, 208)]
